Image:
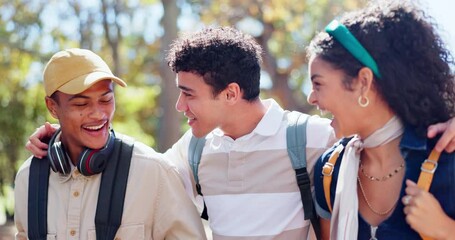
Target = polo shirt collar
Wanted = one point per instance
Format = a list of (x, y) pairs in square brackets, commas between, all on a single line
[(74, 174), (269, 124)]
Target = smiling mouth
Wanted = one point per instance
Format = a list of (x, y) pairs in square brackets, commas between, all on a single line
[(324, 113), (96, 127), (189, 118)]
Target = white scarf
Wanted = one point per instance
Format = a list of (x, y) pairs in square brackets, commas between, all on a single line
[(344, 221)]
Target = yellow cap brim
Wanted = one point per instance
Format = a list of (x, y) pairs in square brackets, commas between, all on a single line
[(82, 83)]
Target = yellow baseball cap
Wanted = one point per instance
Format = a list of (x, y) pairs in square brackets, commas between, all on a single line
[(74, 70)]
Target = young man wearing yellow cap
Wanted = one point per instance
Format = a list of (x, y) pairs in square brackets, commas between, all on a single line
[(79, 93)]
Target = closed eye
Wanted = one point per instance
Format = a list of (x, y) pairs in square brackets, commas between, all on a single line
[(80, 104), (316, 85), (187, 94), (107, 100)]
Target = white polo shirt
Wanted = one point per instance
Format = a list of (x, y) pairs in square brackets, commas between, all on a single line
[(249, 185)]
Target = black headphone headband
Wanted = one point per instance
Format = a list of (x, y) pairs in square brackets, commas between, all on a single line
[(90, 162)]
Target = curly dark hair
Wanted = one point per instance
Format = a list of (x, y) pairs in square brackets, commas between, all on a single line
[(221, 56), (416, 80)]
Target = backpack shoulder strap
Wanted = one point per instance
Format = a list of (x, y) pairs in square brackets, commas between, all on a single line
[(109, 209), (428, 168), (38, 184), (296, 147), (194, 155), (296, 138), (194, 158), (327, 172)]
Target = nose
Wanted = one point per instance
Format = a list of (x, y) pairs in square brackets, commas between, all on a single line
[(97, 112), (181, 105), (311, 98)]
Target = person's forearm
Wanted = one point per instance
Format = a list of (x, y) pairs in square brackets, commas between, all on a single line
[(446, 231)]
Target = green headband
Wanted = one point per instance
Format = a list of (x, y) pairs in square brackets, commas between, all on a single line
[(342, 34)]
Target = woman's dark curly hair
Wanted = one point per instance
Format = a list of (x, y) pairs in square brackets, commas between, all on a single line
[(416, 80), (221, 56)]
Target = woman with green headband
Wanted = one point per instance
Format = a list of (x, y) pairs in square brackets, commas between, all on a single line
[(385, 76)]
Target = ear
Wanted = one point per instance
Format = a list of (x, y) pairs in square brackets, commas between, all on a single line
[(233, 92), (52, 106), (365, 79)]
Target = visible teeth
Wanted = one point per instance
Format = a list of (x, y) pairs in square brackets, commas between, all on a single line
[(95, 127), (190, 118)]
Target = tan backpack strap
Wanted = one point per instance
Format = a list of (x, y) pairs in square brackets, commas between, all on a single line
[(428, 168), (327, 172)]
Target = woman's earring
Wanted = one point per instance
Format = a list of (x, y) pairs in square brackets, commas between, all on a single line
[(363, 101)]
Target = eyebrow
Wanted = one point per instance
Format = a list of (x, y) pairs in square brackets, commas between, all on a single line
[(77, 96), (185, 88), (314, 76)]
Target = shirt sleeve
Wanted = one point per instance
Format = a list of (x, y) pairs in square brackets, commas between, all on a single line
[(21, 201), (320, 136), (176, 216), (178, 155)]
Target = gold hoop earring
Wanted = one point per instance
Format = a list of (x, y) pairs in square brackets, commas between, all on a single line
[(363, 101)]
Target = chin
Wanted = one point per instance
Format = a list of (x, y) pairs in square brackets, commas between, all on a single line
[(197, 134), (98, 144), (339, 132)]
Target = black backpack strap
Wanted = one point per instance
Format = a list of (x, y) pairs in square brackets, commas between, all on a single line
[(38, 185), (194, 158), (111, 196), (296, 146)]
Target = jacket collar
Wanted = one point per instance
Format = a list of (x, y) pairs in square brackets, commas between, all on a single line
[(413, 141)]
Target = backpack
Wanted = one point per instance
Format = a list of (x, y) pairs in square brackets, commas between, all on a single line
[(110, 197), (296, 144)]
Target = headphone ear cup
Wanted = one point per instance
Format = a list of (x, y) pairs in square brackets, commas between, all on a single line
[(91, 162), (52, 155), (94, 161), (57, 156)]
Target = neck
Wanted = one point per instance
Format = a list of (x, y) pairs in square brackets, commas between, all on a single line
[(72, 151), (243, 118), (373, 122), (381, 140), (384, 156)]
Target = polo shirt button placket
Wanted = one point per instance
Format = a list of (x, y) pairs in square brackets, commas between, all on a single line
[(73, 234), (76, 194)]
